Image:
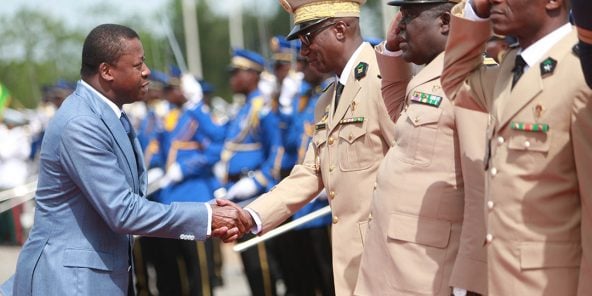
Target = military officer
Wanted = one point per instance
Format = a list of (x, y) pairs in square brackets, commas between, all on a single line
[(538, 192), (352, 133), (428, 197)]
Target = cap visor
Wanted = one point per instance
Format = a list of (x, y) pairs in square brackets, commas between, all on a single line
[(303, 27)]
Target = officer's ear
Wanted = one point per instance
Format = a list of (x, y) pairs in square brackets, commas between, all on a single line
[(445, 23), (340, 30)]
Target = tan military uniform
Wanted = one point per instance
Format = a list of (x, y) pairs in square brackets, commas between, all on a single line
[(343, 158), (538, 192), (413, 242)]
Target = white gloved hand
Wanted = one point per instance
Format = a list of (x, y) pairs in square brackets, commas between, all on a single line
[(243, 189), (290, 87), (173, 175), (154, 174), (219, 171), (191, 89)]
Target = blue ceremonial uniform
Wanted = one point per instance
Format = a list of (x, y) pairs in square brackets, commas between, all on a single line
[(196, 143), (150, 132), (253, 144)]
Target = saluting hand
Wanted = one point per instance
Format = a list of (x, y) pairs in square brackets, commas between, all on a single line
[(392, 38)]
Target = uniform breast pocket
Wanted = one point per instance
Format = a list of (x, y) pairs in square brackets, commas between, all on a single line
[(418, 134), (355, 150), (529, 149)]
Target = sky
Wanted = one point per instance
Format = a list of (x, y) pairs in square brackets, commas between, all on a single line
[(83, 13)]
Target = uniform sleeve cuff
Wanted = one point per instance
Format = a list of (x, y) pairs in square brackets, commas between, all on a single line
[(257, 228), (209, 229)]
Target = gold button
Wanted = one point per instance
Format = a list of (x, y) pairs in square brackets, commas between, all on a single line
[(331, 140), (493, 171), (489, 237), (332, 194), (351, 136), (500, 140), (331, 168), (374, 185), (527, 144), (490, 204), (416, 119), (335, 219)]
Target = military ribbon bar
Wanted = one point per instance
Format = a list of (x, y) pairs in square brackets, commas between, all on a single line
[(426, 99), (529, 127), (351, 120)]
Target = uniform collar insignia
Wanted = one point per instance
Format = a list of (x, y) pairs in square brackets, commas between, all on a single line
[(548, 66), (360, 71)]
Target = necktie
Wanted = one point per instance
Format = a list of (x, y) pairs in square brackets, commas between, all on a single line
[(518, 69), (338, 90), (127, 126)]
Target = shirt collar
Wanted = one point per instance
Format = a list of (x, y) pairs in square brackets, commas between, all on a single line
[(350, 64), (537, 50), (102, 97)]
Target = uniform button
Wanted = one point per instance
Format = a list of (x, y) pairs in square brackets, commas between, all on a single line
[(416, 119), (335, 219), (490, 204), (331, 140), (332, 194), (493, 171), (500, 140), (331, 168), (527, 144), (350, 137), (374, 185), (489, 237)]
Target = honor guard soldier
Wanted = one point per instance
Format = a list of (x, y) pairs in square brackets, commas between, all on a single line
[(351, 135), (427, 220), (195, 147), (538, 163), (251, 157)]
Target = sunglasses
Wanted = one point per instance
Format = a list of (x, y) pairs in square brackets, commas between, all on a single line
[(307, 38)]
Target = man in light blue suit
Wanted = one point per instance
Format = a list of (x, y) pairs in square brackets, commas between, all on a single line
[(92, 184)]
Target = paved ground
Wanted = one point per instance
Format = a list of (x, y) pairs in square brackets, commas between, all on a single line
[(234, 279)]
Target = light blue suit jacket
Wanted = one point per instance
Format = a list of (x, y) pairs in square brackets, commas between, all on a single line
[(90, 199)]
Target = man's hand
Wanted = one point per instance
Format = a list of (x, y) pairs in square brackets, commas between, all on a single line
[(481, 7), (229, 221), (392, 40)]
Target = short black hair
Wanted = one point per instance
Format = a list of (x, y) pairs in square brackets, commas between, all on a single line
[(103, 45)]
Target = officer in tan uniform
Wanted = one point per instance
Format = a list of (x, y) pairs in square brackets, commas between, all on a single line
[(426, 231), (539, 162), (351, 135)]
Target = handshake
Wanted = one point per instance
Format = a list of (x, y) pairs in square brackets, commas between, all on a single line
[(230, 221)]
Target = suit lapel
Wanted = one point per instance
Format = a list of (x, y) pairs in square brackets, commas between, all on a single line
[(431, 71), (114, 125), (351, 89), (531, 82)]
